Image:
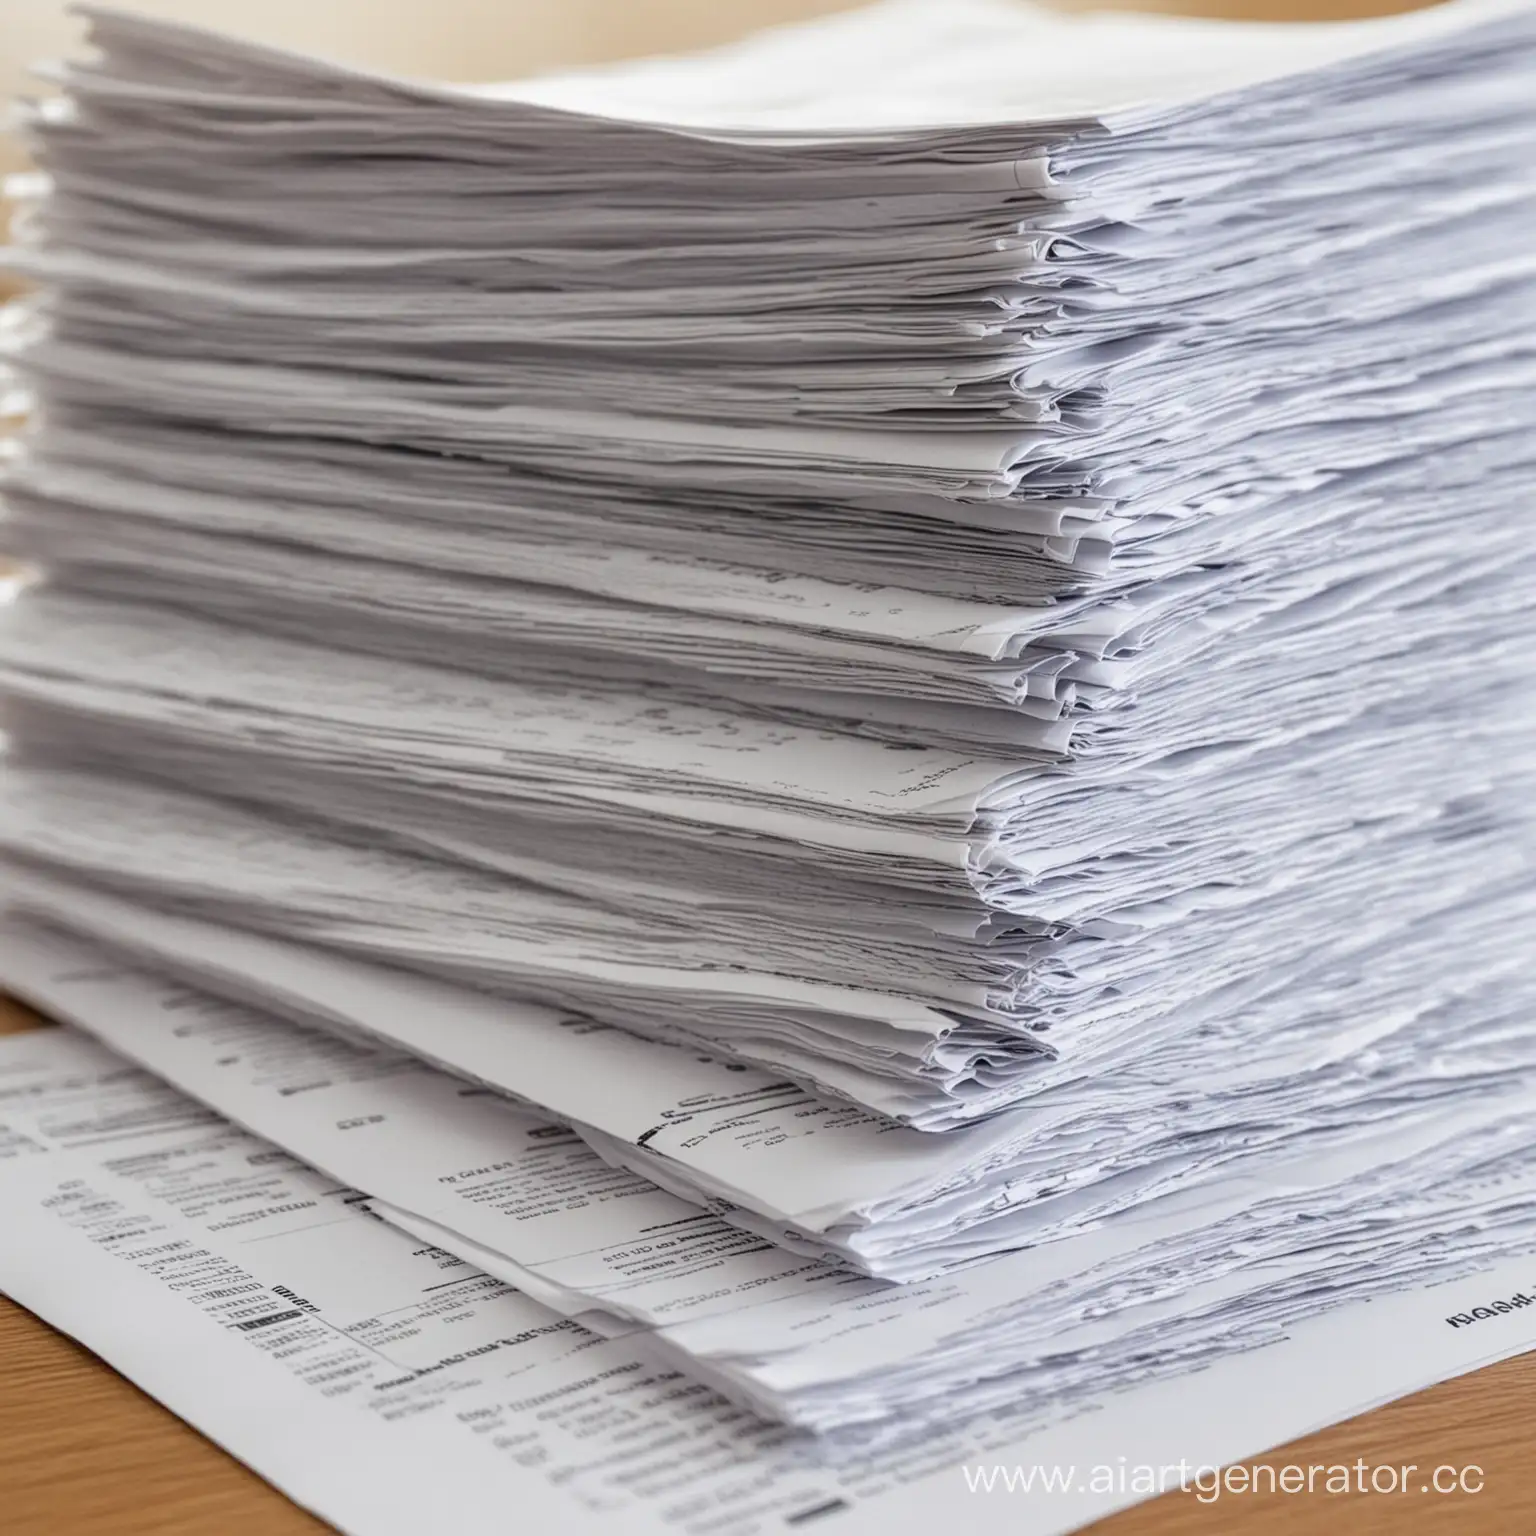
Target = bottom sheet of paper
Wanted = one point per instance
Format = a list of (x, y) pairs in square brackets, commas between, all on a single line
[(391, 1388)]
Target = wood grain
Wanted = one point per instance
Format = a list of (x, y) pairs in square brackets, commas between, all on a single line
[(85, 1453)]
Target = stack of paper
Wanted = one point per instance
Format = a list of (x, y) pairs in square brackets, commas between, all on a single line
[(916, 634), (1137, 406)]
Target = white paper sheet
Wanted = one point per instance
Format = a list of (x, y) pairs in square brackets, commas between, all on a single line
[(392, 1390)]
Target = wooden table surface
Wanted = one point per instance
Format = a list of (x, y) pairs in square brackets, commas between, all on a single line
[(85, 1453)]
